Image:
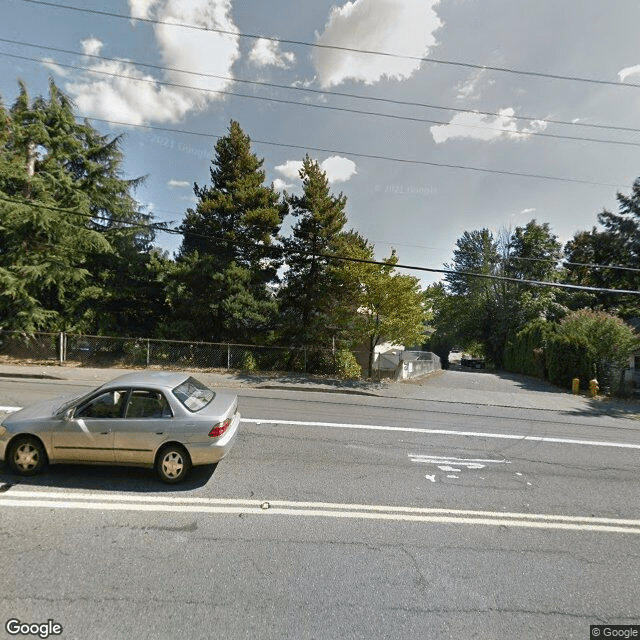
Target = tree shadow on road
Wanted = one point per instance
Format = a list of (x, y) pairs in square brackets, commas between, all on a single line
[(612, 407), (590, 407)]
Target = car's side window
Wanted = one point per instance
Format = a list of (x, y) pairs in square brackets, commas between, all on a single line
[(148, 404), (107, 405)]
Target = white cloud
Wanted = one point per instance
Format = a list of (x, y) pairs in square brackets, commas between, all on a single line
[(290, 169), (336, 168), (623, 74), (50, 63), (483, 127), (178, 184), (469, 90), (141, 9), (281, 185), (403, 27), (528, 211), (140, 102), (91, 46), (266, 53)]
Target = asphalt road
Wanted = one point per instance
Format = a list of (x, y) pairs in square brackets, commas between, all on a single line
[(391, 515)]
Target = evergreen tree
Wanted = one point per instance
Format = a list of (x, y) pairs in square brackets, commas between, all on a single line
[(617, 243), (489, 311), (308, 293), (65, 218), (45, 227), (229, 257), (237, 218)]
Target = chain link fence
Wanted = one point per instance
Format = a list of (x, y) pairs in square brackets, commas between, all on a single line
[(101, 351)]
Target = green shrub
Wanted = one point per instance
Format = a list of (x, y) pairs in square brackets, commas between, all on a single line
[(346, 365), (524, 352), (568, 357), (320, 361), (249, 362)]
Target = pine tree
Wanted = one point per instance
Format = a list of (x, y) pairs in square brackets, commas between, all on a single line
[(229, 255), (308, 292), (617, 243), (237, 218)]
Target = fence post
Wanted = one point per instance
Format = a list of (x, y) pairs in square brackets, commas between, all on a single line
[(148, 352), (61, 346), (305, 359)]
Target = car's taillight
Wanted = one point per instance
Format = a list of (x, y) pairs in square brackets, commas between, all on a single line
[(219, 428)]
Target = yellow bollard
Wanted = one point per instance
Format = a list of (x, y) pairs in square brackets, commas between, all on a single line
[(575, 386), (593, 388)]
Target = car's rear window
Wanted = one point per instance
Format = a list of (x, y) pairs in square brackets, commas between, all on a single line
[(193, 394)]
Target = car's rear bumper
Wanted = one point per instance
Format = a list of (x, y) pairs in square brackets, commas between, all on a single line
[(214, 449)]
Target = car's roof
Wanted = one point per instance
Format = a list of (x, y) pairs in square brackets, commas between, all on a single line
[(165, 379)]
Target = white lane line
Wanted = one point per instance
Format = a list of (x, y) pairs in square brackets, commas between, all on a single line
[(9, 409), (419, 457), (447, 432), (314, 509)]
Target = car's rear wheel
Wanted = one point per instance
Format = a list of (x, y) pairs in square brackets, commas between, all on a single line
[(27, 456), (173, 464)]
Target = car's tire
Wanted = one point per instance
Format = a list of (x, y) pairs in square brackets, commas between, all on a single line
[(173, 464), (27, 456)]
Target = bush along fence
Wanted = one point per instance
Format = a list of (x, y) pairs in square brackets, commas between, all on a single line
[(102, 351)]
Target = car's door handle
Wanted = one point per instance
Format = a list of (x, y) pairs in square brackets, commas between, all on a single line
[(105, 433), (159, 433)]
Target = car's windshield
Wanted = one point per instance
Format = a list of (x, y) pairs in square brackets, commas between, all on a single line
[(72, 402), (193, 394)]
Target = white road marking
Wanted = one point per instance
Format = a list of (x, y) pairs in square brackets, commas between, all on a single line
[(447, 432), (142, 503), (451, 463), (417, 457)]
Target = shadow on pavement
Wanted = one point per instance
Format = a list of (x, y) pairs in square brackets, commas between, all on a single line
[(611, 407), (105, 478), (529, 383)]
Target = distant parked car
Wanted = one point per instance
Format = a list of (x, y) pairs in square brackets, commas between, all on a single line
[(167, 421), (473, 363)]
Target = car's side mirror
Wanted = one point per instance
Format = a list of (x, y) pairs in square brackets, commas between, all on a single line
[(68, 414)]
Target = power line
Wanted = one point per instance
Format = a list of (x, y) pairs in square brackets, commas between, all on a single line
[(238, 34), (321, 92), (327, 107), (369, 261), (577, 264), (486, 276), (368, 156)]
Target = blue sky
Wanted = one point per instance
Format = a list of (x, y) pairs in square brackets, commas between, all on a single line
[(402, 202)]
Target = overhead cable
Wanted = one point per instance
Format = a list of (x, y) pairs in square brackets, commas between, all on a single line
[(325, 107), (321, 92), (330, 47), (340, 258)]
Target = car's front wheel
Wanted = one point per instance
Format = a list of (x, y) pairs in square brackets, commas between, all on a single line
[(173, 464), (27, 456)]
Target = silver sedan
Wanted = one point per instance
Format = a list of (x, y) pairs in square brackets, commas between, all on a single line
[(167, 421)]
